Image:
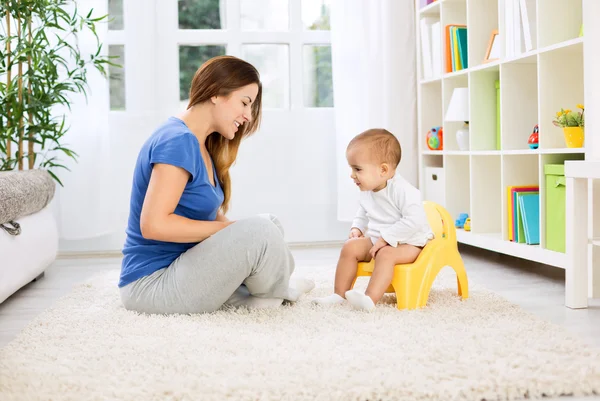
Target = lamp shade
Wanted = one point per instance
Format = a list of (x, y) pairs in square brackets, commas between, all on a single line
[(458, 109)]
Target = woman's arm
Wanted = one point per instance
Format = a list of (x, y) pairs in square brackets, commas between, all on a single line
[(157, 220)]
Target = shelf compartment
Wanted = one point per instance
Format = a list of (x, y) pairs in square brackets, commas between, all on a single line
[(513, 38), (428, 161), (483, 128), (482, 18), (427, 37), (431, 110), (453, 13), (458, 185), (433, 160), (434, 185), (517, 170), (553, 158), (450, 128), (518, 82), (558, 21), (486, 198), (561, 86)]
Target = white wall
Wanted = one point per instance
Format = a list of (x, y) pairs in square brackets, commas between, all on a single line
[(291, 174)]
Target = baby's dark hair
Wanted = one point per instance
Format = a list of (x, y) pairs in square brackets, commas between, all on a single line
[(381, 144)]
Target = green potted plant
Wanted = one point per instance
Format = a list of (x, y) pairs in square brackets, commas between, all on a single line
[(572, 123), (41, 64)]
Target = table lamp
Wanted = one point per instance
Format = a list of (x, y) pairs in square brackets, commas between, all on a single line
[(458, 110)]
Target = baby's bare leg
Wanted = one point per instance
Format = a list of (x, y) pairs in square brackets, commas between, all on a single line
[(385, 260), (354, 251)]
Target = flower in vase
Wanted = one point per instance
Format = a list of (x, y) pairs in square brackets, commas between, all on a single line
[(569, 118)]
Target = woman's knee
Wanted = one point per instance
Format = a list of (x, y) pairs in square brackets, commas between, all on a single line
[(259, 227), (273, 219)]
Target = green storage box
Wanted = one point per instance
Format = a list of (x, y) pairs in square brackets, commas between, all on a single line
[(555, 206), (498, 146)]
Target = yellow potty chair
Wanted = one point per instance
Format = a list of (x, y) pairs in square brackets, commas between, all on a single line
[(412, 282)]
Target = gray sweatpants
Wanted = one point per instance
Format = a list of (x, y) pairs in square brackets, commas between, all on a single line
[(247, 263)]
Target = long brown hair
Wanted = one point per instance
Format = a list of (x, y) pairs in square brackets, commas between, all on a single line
[(220, 76)]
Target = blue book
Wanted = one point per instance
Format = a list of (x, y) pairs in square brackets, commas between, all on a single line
[(530, 212), (462, 46)]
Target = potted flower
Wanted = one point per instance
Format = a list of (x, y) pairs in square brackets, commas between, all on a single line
[(572, 123)]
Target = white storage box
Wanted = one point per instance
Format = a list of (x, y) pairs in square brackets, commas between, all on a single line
[(435, 184)]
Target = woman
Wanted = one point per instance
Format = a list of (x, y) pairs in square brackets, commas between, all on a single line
[(182, 255)]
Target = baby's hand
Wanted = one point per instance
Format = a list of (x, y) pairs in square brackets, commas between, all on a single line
[(355, 233), (378, 245)]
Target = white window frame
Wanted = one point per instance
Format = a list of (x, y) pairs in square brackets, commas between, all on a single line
[(155, 23)]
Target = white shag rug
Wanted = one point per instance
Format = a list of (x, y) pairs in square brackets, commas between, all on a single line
[(87, 347)]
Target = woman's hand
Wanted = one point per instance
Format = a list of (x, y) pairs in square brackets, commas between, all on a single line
[(355, 233), (378, 245)]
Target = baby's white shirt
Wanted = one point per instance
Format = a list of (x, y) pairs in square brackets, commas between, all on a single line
[(395, 213)]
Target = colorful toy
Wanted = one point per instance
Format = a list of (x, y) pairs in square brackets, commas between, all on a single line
[(435, 138), (468, 224), (534, 138), (460, 221)]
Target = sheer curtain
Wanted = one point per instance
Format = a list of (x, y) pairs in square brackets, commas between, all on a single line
[(83, 206), (374, 82)]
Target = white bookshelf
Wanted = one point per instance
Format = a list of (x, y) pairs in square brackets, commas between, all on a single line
[(533, 86)]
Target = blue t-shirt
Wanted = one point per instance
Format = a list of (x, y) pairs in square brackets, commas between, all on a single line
[(172, 143)]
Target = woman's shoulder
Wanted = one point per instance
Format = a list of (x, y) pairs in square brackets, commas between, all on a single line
[(172, 130), (172, 143)]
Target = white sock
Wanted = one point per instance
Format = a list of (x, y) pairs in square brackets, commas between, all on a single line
[(329, 300), (292, 294), (303, 285), (360, 300)]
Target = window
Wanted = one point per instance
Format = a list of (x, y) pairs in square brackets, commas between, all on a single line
[(272, 62), (201, 14), (190, 59), (116, 52), (318, 79), (264, 15), (115, 12), (267, 34), (116, 77), (315, 15)]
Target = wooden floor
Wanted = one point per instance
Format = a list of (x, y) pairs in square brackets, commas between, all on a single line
[(536, 288)]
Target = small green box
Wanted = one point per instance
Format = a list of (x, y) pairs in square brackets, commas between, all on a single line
[(555, 206), (498, 115)]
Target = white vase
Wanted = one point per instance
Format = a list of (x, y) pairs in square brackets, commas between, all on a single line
[(462, 138)]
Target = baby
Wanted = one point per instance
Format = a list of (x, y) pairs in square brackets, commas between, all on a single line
[(390, 226)]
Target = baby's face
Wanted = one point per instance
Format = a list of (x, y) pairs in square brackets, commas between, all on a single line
[(367, 174)]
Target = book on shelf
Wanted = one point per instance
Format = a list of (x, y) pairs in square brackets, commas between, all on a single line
[(431, 51), (520, 27), (523, 214), (456, 51)]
